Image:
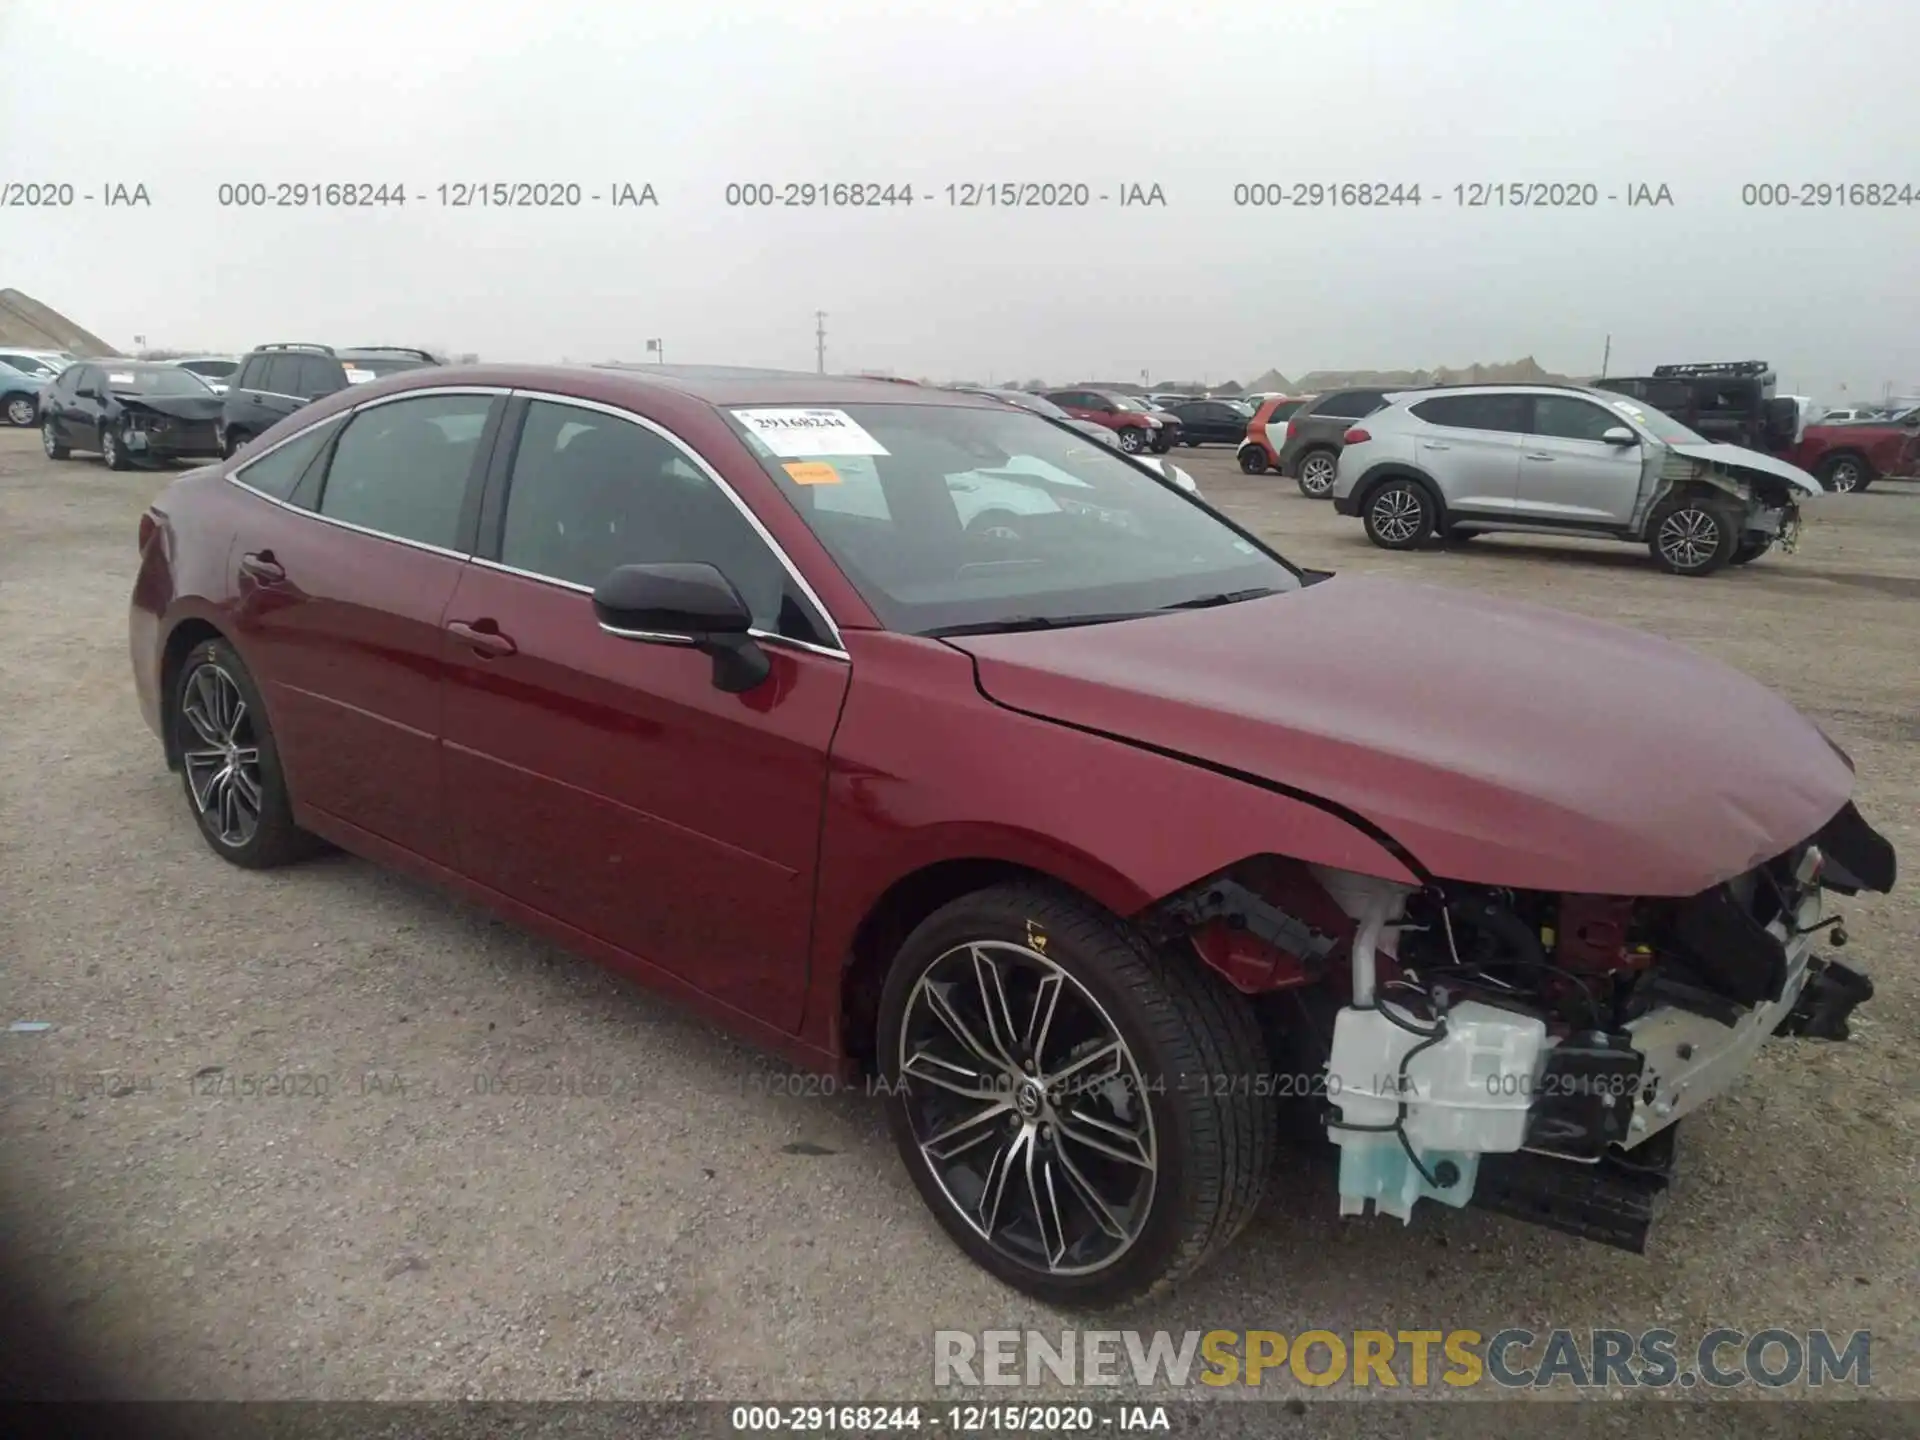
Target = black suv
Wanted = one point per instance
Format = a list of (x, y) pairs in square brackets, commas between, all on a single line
[(1315, 434), (1730, 402), (276, 380)]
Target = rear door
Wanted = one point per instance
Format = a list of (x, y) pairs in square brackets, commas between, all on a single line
[(1568, 473), (605, 781), (1470, 446), (343, 570)]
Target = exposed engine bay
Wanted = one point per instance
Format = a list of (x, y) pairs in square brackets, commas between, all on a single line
[(1523, 1052)]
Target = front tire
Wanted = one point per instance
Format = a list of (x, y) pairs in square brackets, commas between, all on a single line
[(1317, 472), (51, 442), (229, 764), (1845, 474), (1693, 535), (1399, 515), (1133, 440), (1062, 1094), (113, 450)]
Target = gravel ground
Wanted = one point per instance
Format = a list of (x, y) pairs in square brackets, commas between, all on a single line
[(690, 1225)]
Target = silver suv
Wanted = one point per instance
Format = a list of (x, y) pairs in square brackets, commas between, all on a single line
[(1563, 460)]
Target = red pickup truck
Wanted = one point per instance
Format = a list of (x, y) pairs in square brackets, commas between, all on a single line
[(1852, 454)]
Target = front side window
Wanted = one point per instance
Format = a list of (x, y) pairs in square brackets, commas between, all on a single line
[(1567, 418), (277, 472), (402, 468), (946, 516), (1657, 423), (591, 492)]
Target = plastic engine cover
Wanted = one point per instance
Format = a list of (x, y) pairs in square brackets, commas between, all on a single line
[(1466, 1096)]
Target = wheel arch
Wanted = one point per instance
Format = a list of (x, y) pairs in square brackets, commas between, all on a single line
[(190, 631), (1377, 475)]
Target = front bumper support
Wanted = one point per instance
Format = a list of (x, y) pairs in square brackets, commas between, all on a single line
[(1826, 1000)]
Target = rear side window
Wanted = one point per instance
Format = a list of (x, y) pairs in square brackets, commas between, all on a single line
[(1349, 405), (402, 468), (252, 373), (1475, 412), (277, 472)]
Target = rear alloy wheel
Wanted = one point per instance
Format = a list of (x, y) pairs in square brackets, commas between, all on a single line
[(1055, 1087), (1133, 440), (113, 449), (1399, 515), (1693, 535), (228, 762), (50, 440), (1844, 474), (1317, 471), (20, 410), (1253, 460)]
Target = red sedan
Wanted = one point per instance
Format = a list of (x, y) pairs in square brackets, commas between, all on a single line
[(918, 737)]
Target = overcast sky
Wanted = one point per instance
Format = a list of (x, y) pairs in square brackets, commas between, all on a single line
[(1703, 96)]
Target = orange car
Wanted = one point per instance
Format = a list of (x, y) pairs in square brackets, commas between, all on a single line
[(1259, 453)]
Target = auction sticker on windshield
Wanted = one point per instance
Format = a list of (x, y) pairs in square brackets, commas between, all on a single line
[(812, 472), (796, 433)]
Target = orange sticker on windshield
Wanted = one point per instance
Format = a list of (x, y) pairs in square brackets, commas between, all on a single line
[(812, 472)]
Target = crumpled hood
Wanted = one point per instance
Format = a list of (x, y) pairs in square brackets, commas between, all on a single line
[(1498, 742), (1738, 457), (180, 407)]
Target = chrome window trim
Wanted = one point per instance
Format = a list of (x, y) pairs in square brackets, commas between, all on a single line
[(746, 511), (350, 414), (769, 636)]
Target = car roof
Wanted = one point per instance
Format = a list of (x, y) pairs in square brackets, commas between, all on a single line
[(718, 385)]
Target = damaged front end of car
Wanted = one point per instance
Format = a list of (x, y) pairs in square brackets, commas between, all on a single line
[(1522, 1052)]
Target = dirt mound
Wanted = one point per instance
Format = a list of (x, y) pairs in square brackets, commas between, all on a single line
[(28, 324), (1526, 371)]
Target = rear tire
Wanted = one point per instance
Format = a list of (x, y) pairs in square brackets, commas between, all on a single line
[(22, 411), (1399, 515), (1693, 534), (229, 765), (1316, 471), (1179, 1156), (1747, 551), (1253, 460)]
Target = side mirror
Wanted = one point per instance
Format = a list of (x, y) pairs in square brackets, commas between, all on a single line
[(1619, 435), (692, 605)]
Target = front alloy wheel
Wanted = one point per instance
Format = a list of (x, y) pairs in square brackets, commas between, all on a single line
[(113, 450), (1317, 473), (1053, 1086), (50, 440), (1694, 536)]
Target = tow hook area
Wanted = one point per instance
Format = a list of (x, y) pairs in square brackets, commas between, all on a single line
[(1826, 1000)]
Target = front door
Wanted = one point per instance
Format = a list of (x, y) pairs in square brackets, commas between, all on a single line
[(339, 606), (606, 781), (1568, 473)]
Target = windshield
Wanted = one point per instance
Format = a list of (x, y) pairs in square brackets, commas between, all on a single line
[(1038, 404), (155, 380), (29, 365), (219, 369), (946, 516), (1658, 423), (378, 365), (1130, 405)]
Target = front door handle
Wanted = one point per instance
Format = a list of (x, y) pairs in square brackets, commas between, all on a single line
[(261, 566), (1537, 456), (483, 635)]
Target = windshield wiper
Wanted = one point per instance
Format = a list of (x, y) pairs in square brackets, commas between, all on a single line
[(1225, 597), (1030, 622)]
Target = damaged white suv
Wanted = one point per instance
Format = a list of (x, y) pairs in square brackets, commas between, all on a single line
[(1564, 460)]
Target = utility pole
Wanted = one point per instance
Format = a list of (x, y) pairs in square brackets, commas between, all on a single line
[(1605, 356), (820, 341)]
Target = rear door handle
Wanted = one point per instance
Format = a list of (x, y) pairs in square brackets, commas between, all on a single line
[(1535, 455), (1435, 445), (482, 635), (260, 565)]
